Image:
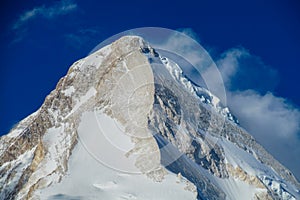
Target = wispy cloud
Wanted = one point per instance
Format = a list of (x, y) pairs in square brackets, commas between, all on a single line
[(228, 64), (57, 9), (190, 32), (240, 70)]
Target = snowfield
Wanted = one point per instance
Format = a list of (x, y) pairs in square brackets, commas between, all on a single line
[(95, 180)]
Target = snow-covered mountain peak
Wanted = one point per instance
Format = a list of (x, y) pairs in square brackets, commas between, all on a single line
[(126, 116)]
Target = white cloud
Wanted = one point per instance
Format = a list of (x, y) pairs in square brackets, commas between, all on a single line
[(271, 115), (59, 8), (270, 119)]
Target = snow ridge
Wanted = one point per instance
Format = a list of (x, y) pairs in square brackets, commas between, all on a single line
[(203, 94)]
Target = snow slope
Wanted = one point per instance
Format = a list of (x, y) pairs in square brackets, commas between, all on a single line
[(95, 180)]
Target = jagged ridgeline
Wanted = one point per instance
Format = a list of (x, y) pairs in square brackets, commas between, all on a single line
[(127, 123)]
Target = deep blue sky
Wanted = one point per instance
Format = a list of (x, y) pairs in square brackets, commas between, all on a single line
[(37, 52)]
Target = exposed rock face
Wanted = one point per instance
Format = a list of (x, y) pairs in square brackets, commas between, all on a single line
[(243, 176), (60, 110), (169, 120)]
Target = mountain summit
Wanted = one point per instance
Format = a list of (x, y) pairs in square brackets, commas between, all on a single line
[(126, 123)]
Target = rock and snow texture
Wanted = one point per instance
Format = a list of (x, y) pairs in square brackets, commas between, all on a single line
[(126, 123)]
